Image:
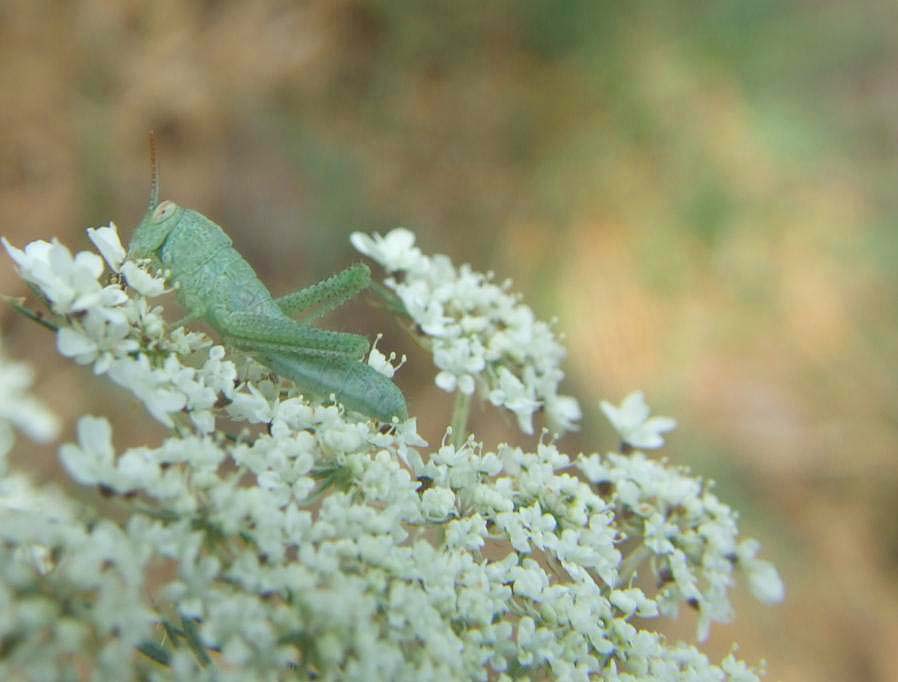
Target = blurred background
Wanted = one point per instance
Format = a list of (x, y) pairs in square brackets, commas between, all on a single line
[(704, 193)]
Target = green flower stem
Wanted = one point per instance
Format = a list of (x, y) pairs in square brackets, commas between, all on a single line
[(18, 304), (631, 564), (460, 412), (196, 644)]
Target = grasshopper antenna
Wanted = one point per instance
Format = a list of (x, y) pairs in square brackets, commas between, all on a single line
[(154, 182)]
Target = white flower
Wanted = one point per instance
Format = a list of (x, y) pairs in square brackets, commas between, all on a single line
[(92, 461), (395, 251), (152, 387), (763, 578), (252, 407), (631, 420), (185, 342), (466, 533), (765, 582), (141, 281), (74, 344), (69, 283), (562, 412), (425, 309), (381, 362), (530, 580), (110, 247), (95, 339), (512, 394), (438, 503), (633, 601), (407, 434), (737, 671), (459, 361)]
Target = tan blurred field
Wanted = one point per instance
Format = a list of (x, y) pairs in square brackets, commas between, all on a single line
[(705, 194)]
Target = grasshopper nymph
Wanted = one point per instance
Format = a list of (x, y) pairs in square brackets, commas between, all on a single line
[(214, 282)]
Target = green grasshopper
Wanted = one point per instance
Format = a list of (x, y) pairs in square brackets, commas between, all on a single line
[(213, 281)]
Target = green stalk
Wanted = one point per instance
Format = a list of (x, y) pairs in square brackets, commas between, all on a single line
[(631, 563), (18, 304), (460, 412)]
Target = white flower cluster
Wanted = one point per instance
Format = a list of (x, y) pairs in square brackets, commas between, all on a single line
[(121, 335), (690, 536), (319, 546), (481, 336), (72, 591), (315, 549)]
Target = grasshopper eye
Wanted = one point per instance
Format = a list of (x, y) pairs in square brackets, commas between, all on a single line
[(163, 211)]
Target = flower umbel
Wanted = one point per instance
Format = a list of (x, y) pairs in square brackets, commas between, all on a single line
[(481, 336), (272, 537)]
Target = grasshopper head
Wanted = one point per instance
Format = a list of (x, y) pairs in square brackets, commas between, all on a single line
[(156, 225), (159, 220)]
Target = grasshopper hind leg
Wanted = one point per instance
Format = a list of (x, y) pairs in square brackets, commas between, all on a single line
[(326, 295), (253, 331)]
